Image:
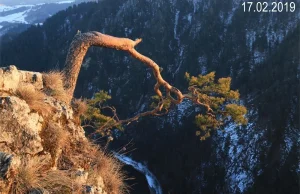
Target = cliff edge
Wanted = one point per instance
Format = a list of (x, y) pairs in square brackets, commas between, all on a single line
[(43, 148)]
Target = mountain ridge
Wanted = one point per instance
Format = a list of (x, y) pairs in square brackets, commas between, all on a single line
[(20, 16)]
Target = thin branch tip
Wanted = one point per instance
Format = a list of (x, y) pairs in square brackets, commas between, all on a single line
[(137, 41)]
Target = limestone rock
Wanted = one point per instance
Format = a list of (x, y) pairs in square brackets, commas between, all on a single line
[(81, 176), (11, 77), (21, 138), (19, 127)]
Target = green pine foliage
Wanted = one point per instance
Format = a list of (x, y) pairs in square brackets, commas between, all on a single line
[(96, 118), (166, 102), (221, 104)]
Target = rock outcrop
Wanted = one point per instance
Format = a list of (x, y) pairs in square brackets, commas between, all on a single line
[(11, 78), (47, 153)]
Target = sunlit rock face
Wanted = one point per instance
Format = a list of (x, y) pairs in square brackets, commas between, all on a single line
[(23, 139), (11, 78)]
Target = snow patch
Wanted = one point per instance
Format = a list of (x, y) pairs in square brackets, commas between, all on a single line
[(250, 37), (182, 109), (202, 60), (15, 18), (90, 86), (259, 57), (240, 144), (127, 31), (65, 2), (5, 8), (235, 5), (196, 5), (175, 115), (273, 36), (189, 17), (180, 60), (203, 70), (175, 26), (153, 183)]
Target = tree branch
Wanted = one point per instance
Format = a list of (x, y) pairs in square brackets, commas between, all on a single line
[(77, 51), (80, 45)]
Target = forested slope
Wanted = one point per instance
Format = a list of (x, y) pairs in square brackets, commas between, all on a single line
[(259, 51)]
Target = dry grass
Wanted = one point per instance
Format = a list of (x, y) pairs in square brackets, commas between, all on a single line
[(54, 139), (58, 182), (36, 174), (35, 99), (27, 177), (54, 84), (77, 154), (110, 169), (33, 175), (114, 176), (80, 106), (97, 163)]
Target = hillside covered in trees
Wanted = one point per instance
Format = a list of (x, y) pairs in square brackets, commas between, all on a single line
[(260, 52)]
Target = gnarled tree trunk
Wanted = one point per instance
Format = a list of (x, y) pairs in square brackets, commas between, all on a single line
[(83, 41)]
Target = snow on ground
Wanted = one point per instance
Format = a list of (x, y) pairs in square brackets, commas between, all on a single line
[(195, 5), (20, 16), (250, 37), (240, 174), (18, 6), (5, 8), (63, 2), (259, 57), (182, 110), (151, 179), (15, 18), (175, 26)]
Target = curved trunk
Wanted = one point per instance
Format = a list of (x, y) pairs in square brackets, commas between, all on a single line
[(78, 49), (80, 45)]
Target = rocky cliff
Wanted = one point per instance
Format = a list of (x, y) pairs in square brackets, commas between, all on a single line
[(43, 148)]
